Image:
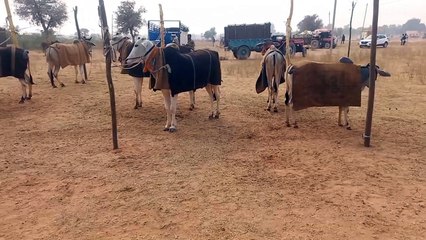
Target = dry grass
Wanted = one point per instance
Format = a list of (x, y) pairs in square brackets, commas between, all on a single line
[(244, 176)]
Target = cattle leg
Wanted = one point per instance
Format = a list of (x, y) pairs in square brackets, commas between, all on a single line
[(346, 116), (167, 104), (50, 74), (24, 90), (268, 108), (76, 74), (30, 86), (339, 119), (275, 94), (138, 91), (289, 115), (191, 100), (55, 72), (214, 95), (83, 79), (173, 109)]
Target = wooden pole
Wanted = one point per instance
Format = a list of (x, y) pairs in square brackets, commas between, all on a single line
[(79, 37), (11, 25), (107, 48), (162, 32), (288, 35), (350, 28), (371, 92), (363, 22), (332, 27)]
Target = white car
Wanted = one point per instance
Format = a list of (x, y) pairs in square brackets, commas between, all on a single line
[(382, 40)]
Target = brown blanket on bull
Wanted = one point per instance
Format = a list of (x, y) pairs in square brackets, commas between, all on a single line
[(159, 75), (71, 54), (262, 80), (334, 84)]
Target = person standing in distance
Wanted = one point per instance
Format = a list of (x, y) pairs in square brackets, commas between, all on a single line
[(190, 42)]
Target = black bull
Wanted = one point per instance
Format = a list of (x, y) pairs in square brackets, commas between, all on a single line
[(14, 62), (193, 70)]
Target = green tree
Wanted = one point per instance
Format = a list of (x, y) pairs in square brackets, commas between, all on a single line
[(310, 23), (129, 19), (48, 14), (210, 33), (413, 24)]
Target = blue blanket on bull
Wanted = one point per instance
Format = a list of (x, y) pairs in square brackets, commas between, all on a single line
[(193, 70)]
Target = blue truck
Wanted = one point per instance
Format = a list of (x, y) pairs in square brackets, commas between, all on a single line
[(173, 29), (242, 39)]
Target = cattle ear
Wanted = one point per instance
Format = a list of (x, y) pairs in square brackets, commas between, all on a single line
[(383, 73)]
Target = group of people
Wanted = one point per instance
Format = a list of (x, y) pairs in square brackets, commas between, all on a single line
[(190, 43)]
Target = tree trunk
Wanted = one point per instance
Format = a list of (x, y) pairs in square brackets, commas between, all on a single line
[(132, 34)]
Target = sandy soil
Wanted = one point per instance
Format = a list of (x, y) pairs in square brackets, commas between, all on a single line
[(243, 176)]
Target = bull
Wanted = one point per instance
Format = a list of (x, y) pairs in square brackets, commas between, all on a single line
[(271, 75), (61, 55), (123, 45), (175, 73), (15, 62), (314, 84)]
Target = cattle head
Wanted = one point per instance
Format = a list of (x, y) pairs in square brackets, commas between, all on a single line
[(117, 43), (87, 43), (365, 72), (140, 52)]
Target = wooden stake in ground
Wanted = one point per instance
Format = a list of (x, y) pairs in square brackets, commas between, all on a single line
[(11, 25), (162, 32), (288, 35), (107, 52), (350, 28), (332, 27), (371, 92), (79, 37)]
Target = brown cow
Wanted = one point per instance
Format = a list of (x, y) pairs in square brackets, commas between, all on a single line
[(314, 84), (60, 55)]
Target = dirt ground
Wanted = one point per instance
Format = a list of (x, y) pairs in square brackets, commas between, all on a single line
[(243, 176)]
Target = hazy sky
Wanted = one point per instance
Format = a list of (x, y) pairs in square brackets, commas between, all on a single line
[(201, 15)]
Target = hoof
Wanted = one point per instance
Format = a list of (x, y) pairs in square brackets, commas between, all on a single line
[(348, 128), (135, 107), (340, 125), (172, 129), (22, 100), (191, 107), (166, 129), (268, 109), (54, 86), (295, 126), (216, 116), (275, 109), (83, 82), (211, 116), (288, 124), (76, 81), (62, 85), (29, 97)]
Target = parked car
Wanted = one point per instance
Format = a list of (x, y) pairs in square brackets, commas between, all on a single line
[(382, 40)]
